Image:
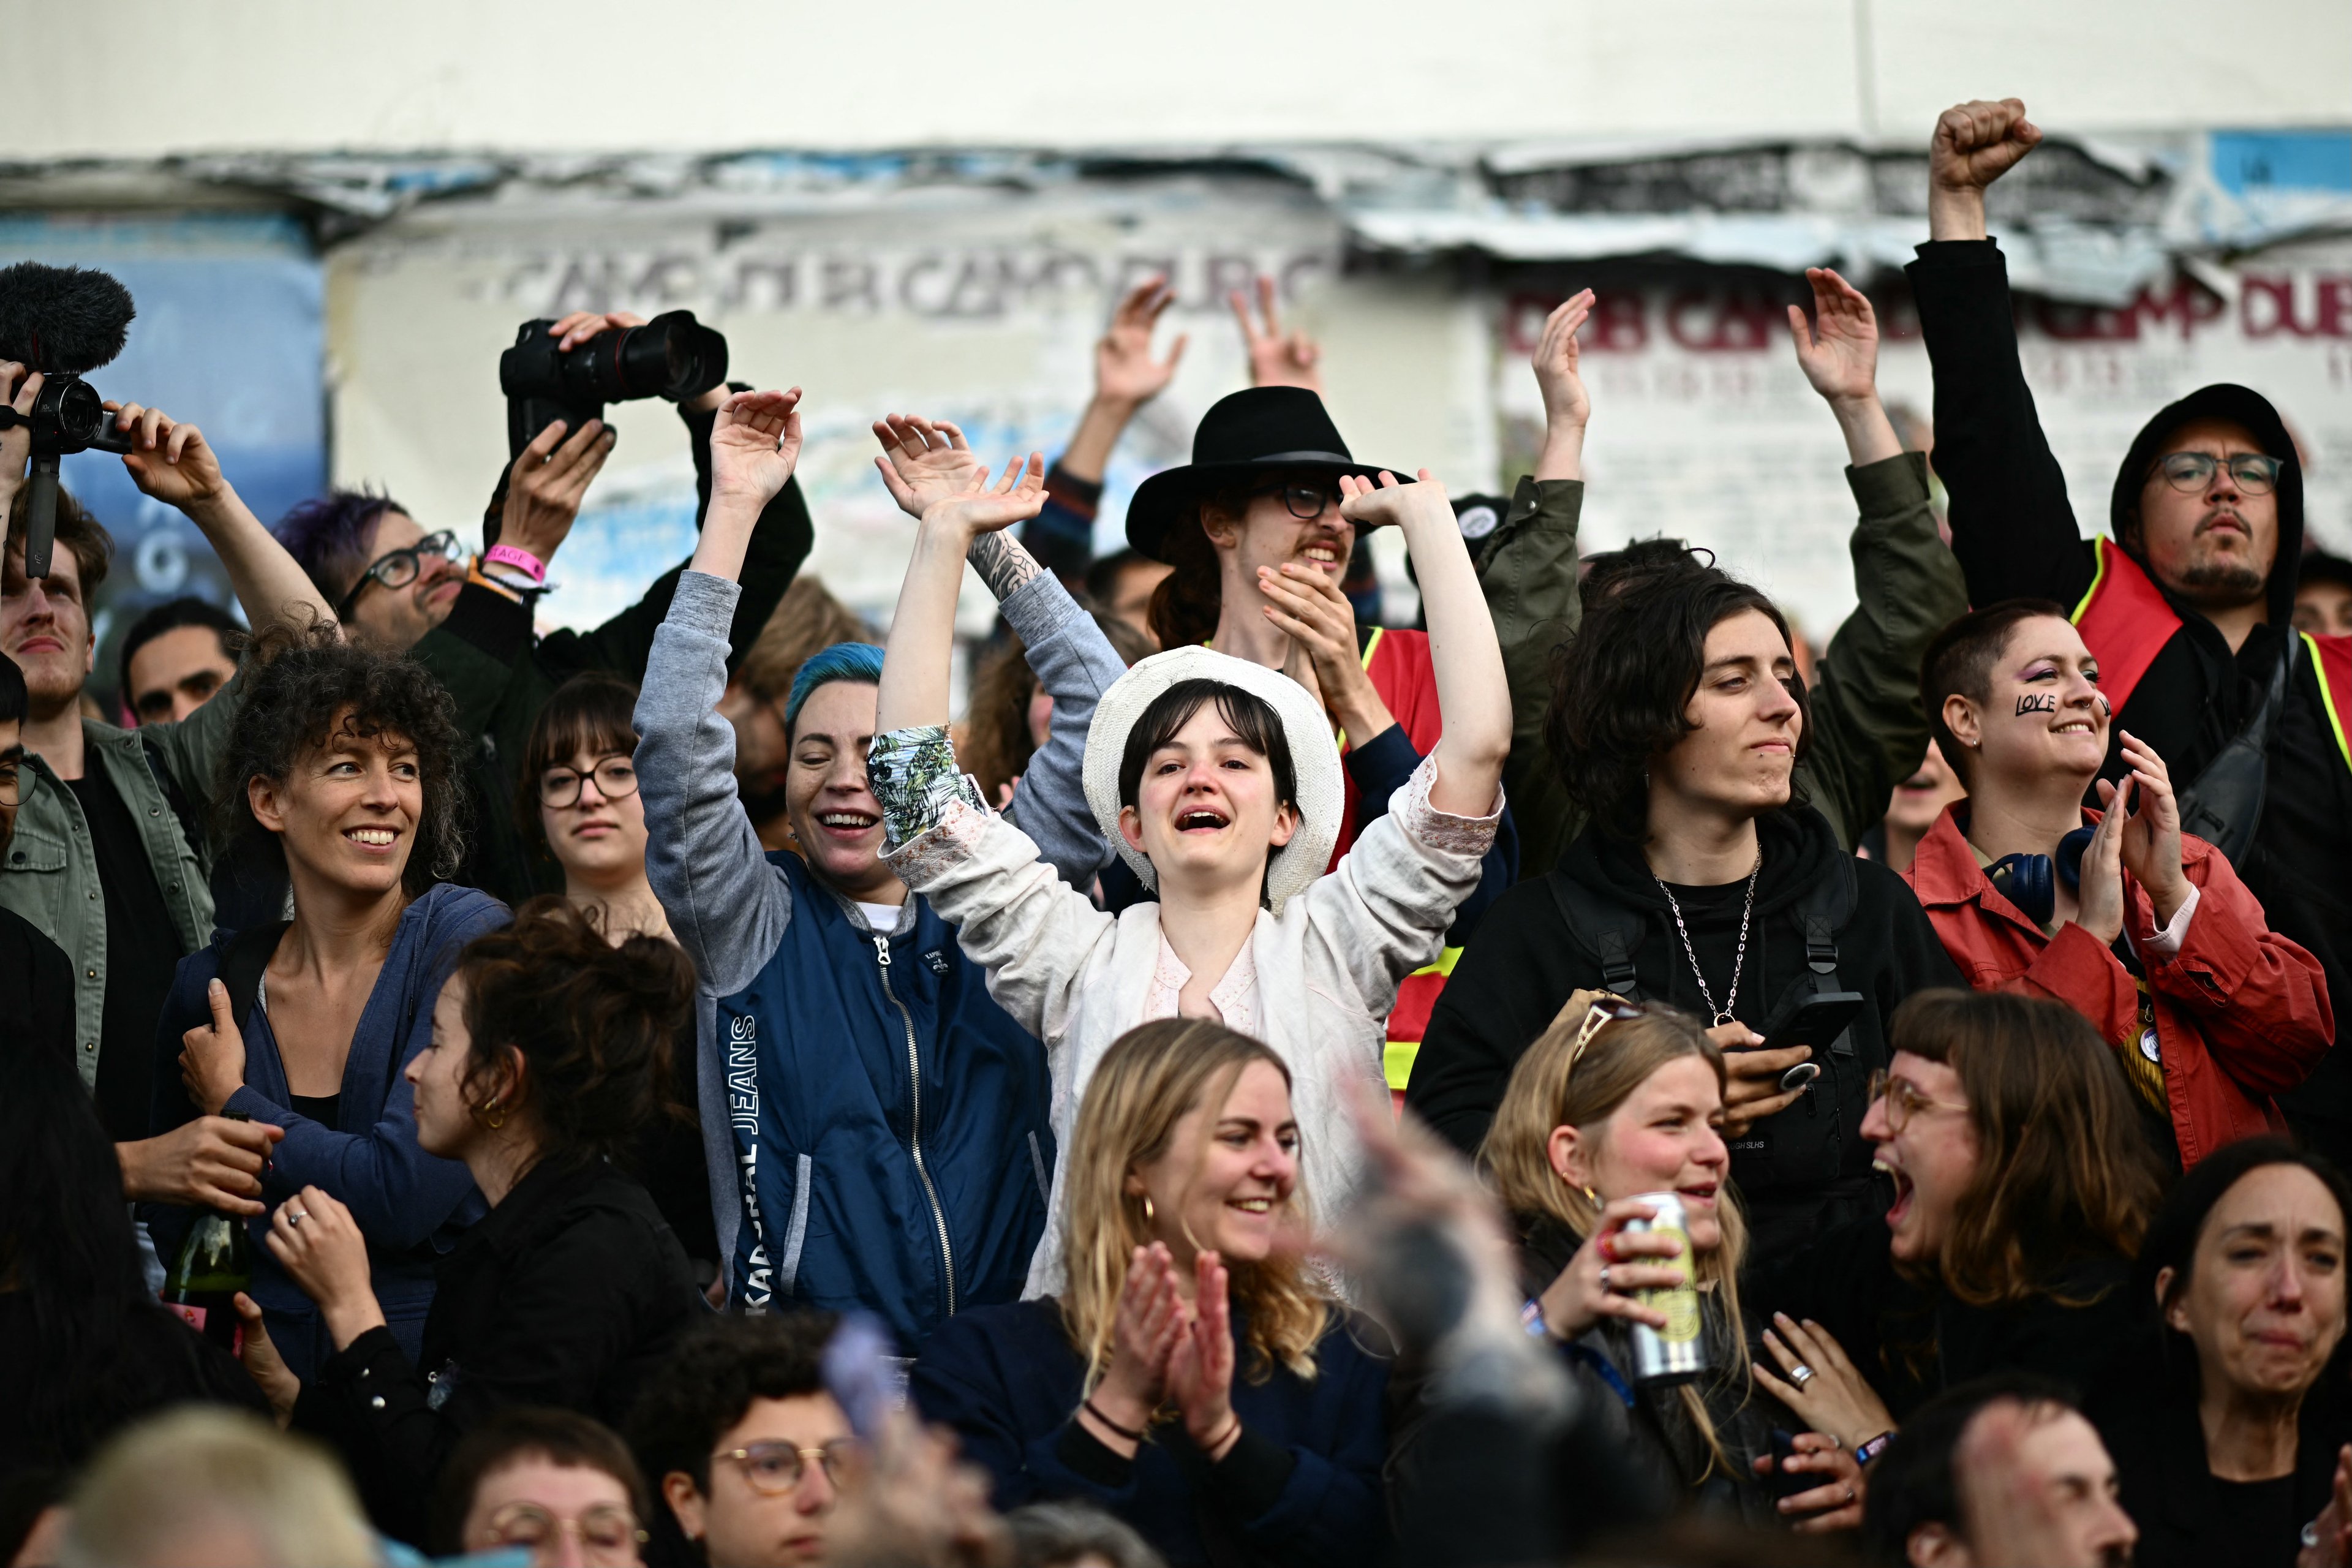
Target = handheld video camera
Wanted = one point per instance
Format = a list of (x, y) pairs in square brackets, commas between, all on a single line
[(61, 322), (673, 356)]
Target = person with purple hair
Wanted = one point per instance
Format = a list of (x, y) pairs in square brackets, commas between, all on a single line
[(468, 619)]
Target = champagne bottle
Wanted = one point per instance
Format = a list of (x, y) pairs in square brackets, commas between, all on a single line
[(215, 1263)]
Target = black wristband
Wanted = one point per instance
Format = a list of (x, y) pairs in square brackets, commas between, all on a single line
[(1130, 1433)]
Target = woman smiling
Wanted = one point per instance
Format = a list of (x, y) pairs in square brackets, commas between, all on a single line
[(1190, 1378), (340, 763)]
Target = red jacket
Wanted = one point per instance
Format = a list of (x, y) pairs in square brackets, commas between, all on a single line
[(2241, 1013)]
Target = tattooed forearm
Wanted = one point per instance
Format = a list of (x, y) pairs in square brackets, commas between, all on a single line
[(1001, 564)]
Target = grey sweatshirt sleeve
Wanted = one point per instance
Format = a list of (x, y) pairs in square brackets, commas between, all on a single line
[(726, 905), (1075, 664)]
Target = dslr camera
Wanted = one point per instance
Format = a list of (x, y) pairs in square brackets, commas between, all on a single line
[(673, 356)]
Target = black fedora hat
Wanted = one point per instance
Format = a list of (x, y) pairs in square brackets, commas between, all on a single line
[(1262, 427)]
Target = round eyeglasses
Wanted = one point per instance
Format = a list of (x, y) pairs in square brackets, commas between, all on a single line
[(1904, 1099), (399, 568), (775, 1469), (616, 776), (607, 1533), (2255, 473)]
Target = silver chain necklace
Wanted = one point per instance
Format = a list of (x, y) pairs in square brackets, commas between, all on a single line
[(1739, 960)]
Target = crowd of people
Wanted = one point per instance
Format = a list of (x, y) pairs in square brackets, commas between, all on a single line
[(1574, 1079)]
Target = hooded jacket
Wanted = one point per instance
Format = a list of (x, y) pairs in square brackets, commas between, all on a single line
[(1796, 1169), (876, 1125), (2238, 1013), (2179, 687)]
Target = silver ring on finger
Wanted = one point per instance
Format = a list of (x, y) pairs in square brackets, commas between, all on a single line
[(296, 1217), (1800, 1375), (1604, 1278)]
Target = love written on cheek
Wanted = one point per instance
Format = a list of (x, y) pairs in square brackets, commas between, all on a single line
[(2037, 702)]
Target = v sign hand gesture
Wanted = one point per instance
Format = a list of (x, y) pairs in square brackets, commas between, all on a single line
[(1274, 360)]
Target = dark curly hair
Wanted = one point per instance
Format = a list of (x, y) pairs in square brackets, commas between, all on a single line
[(1622, 684), (593, 1022), (303, 685), (710, 1379)]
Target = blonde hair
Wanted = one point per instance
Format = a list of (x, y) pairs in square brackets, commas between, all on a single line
[(224, 1474), (1150, 1080), (1556, 1085)]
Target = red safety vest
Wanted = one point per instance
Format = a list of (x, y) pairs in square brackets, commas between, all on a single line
[(1398, 663), (2126, 621)]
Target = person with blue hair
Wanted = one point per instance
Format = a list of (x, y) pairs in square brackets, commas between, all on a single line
[(878, 1131)]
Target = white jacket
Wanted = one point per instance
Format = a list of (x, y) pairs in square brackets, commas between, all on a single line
[(1327, 966)]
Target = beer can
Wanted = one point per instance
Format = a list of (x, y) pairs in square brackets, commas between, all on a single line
[(1677, 1352)]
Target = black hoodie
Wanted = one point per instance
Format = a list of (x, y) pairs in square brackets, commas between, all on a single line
[(1795, 1170), (2016, 537)]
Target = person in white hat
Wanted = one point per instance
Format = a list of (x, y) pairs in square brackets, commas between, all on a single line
[(1219, 779)]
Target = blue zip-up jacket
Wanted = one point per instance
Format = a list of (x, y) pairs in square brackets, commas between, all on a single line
[(412, 1206), (876, 1125)]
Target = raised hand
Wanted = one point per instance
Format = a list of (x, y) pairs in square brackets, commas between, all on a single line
[(1125, 372), (754, 444), (17, 390), (982, 507), (1838, 354), (546, 484), (2149, 843), (1597, 1281), (169, 460), (1274, 360), (1201, 1362), (1410, 504), (212, 1056), (1566, 407), (581, 325), (924, 461), (1974, 143)]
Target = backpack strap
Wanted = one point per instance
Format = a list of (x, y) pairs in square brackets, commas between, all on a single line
[(243, 958), (1822, 914), (1612, 930)]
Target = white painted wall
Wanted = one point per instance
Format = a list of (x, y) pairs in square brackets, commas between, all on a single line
[(143, 77)]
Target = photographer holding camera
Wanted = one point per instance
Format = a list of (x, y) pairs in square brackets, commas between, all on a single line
[(109, 857), (470, 621)]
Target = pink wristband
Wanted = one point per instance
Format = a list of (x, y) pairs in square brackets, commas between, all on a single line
[(522, 561)]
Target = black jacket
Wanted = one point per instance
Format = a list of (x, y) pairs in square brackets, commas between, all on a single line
[(2146, 1411), (1796, 1169), (1912, 1339), (38, 978), (157, 1363), (568, 1293), (2016, 536)]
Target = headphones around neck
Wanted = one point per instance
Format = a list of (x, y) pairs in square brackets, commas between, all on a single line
[(2030, 881)]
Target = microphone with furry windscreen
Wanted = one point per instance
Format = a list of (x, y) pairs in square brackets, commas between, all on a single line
[(61, 322)]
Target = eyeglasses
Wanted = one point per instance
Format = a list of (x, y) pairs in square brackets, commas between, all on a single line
[(1306, 501), (399, 568), (1904, 1099), (11, 788), (775, 1469), (2252, 472), (1608, 1009), (609, 1532), (616, 776)]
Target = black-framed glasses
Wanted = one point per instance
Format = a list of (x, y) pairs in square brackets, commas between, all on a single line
[(12, 787), (1305, 502), (608, 1533), (2256, 473), (616, 776), (775, 1469), (399, 568), (1904, 1099)]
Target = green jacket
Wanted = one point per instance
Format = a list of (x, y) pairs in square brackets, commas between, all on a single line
[(484, 653), (1869, 730), (50, 873)]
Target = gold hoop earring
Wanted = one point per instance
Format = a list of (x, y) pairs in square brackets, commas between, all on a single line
[(490, 1114), (1150, 1215)]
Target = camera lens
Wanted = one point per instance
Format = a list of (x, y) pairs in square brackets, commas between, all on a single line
[(81, 413), (672, 356)]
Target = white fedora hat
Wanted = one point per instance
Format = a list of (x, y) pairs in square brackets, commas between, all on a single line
[(1314, 757)]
